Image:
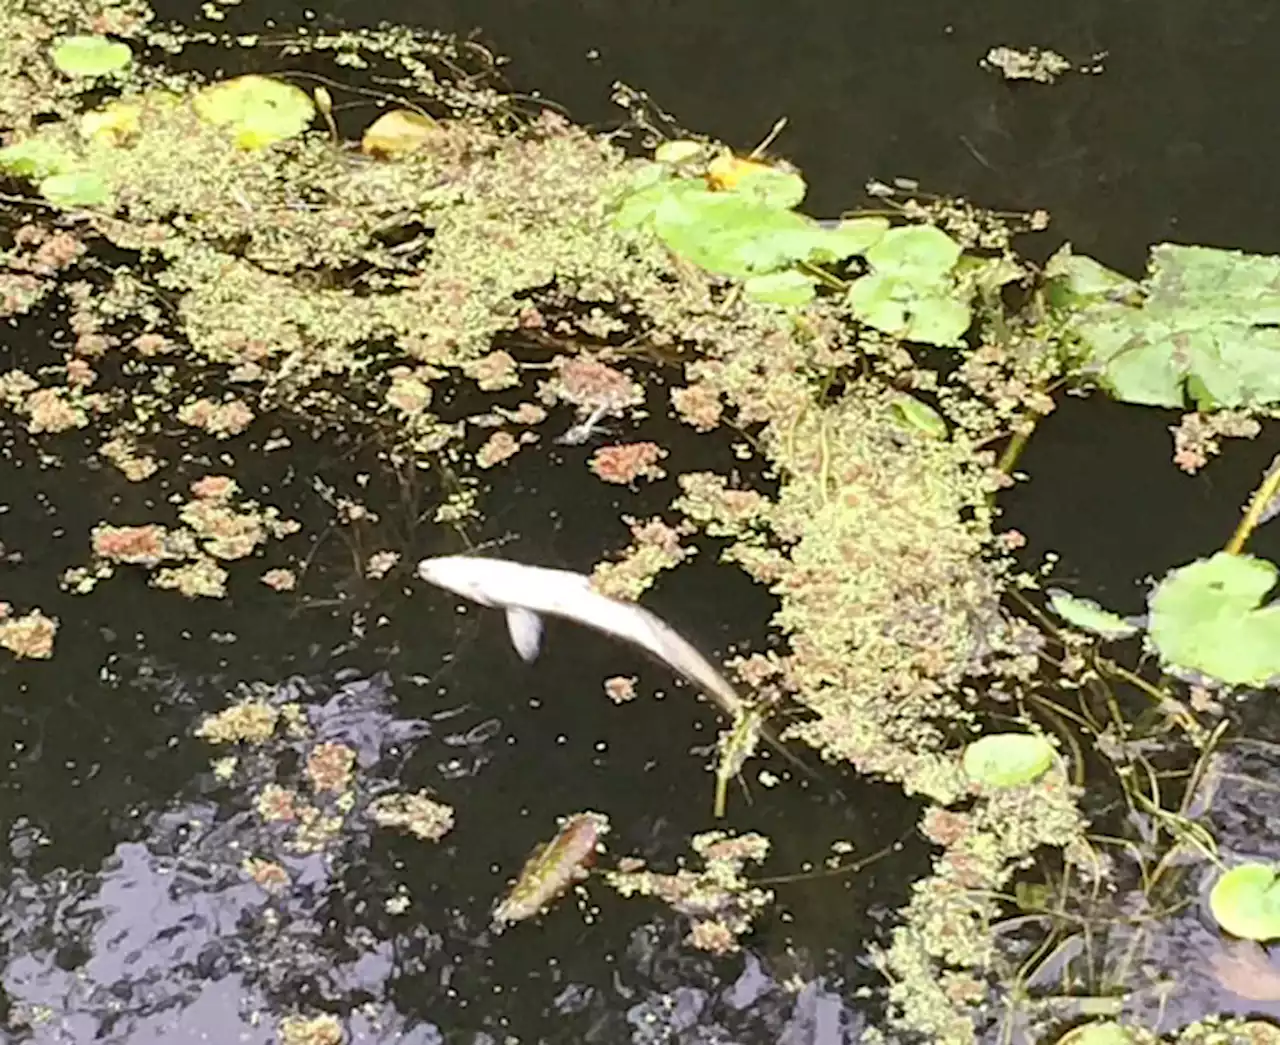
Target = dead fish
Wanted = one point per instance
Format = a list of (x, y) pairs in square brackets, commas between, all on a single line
[(552, 868), (525, 592)]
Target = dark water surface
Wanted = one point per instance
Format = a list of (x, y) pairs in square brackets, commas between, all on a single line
[(125, 916)]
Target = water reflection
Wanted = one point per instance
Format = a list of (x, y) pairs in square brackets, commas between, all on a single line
[(170, 937)]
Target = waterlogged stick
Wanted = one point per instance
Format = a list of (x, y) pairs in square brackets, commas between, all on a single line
[(1265, 505)]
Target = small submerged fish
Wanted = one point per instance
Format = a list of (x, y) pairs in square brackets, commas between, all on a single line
[(525, 592), (552, 868)]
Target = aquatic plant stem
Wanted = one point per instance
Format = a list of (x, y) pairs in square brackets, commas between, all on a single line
[(1262, 497), (1015, 447)]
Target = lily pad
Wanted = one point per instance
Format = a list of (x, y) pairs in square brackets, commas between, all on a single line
[(1206, 617), (912, 413), (1246, 902), (920, 253), (675, 152), (1008, 759), (76, 189), (259, 110), (1087, 615), (36, 157), (91, 56), (903, 307), (398, 133), (1100, 1032), (787, 287), (1206, 331)]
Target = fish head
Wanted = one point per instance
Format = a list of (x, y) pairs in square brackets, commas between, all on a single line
[(461, 574)]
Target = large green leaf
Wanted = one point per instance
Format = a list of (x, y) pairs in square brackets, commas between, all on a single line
[(1206, 617), (1246, 902), (911, 309), (1206, 330)]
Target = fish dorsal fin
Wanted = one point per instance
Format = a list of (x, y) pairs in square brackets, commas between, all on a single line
[(525, 627)]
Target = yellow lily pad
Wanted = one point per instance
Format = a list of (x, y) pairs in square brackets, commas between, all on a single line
[(398, 133)]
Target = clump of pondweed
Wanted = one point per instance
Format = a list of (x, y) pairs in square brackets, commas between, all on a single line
[(719, 899)]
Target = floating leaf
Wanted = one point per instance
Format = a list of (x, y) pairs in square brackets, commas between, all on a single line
[(1008, 759), (677, 151), (906, 309), (1074, 280), (734, 236), (787, 287), (76, 189), (771, 187), (91, 56), (1206, 330), (1089, 616), (1205, 617), (398, 133), (113, 123), (258, 109), (1246, 902), (916, 252), (854, 236), (912, 413), (1101, 1032), (35, 158)]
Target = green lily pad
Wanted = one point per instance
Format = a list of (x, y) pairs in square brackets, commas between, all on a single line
[(1100, 1032), (677, 151), (1246, 902), (259, 110), (35, 158), (771, 187), (1074, 280), (854, 236), (905, 308), (1008, 759), (76, 189), (91, 56), (734, 236), (1205, 617), (1087, 615), (1206, 331), (912, 413), (787, 287), (920, 253)]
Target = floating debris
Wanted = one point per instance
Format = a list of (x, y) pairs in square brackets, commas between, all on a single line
[(552, 868), (329, 766), (419, 814), (627, 462), (721, 901), (29, 636), (252, 721), (621, 688), (1029, 64)]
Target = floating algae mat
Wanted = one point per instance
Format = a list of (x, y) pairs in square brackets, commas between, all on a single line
[(264, 359)]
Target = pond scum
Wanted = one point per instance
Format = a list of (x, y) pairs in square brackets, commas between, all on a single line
[(218, 260)]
